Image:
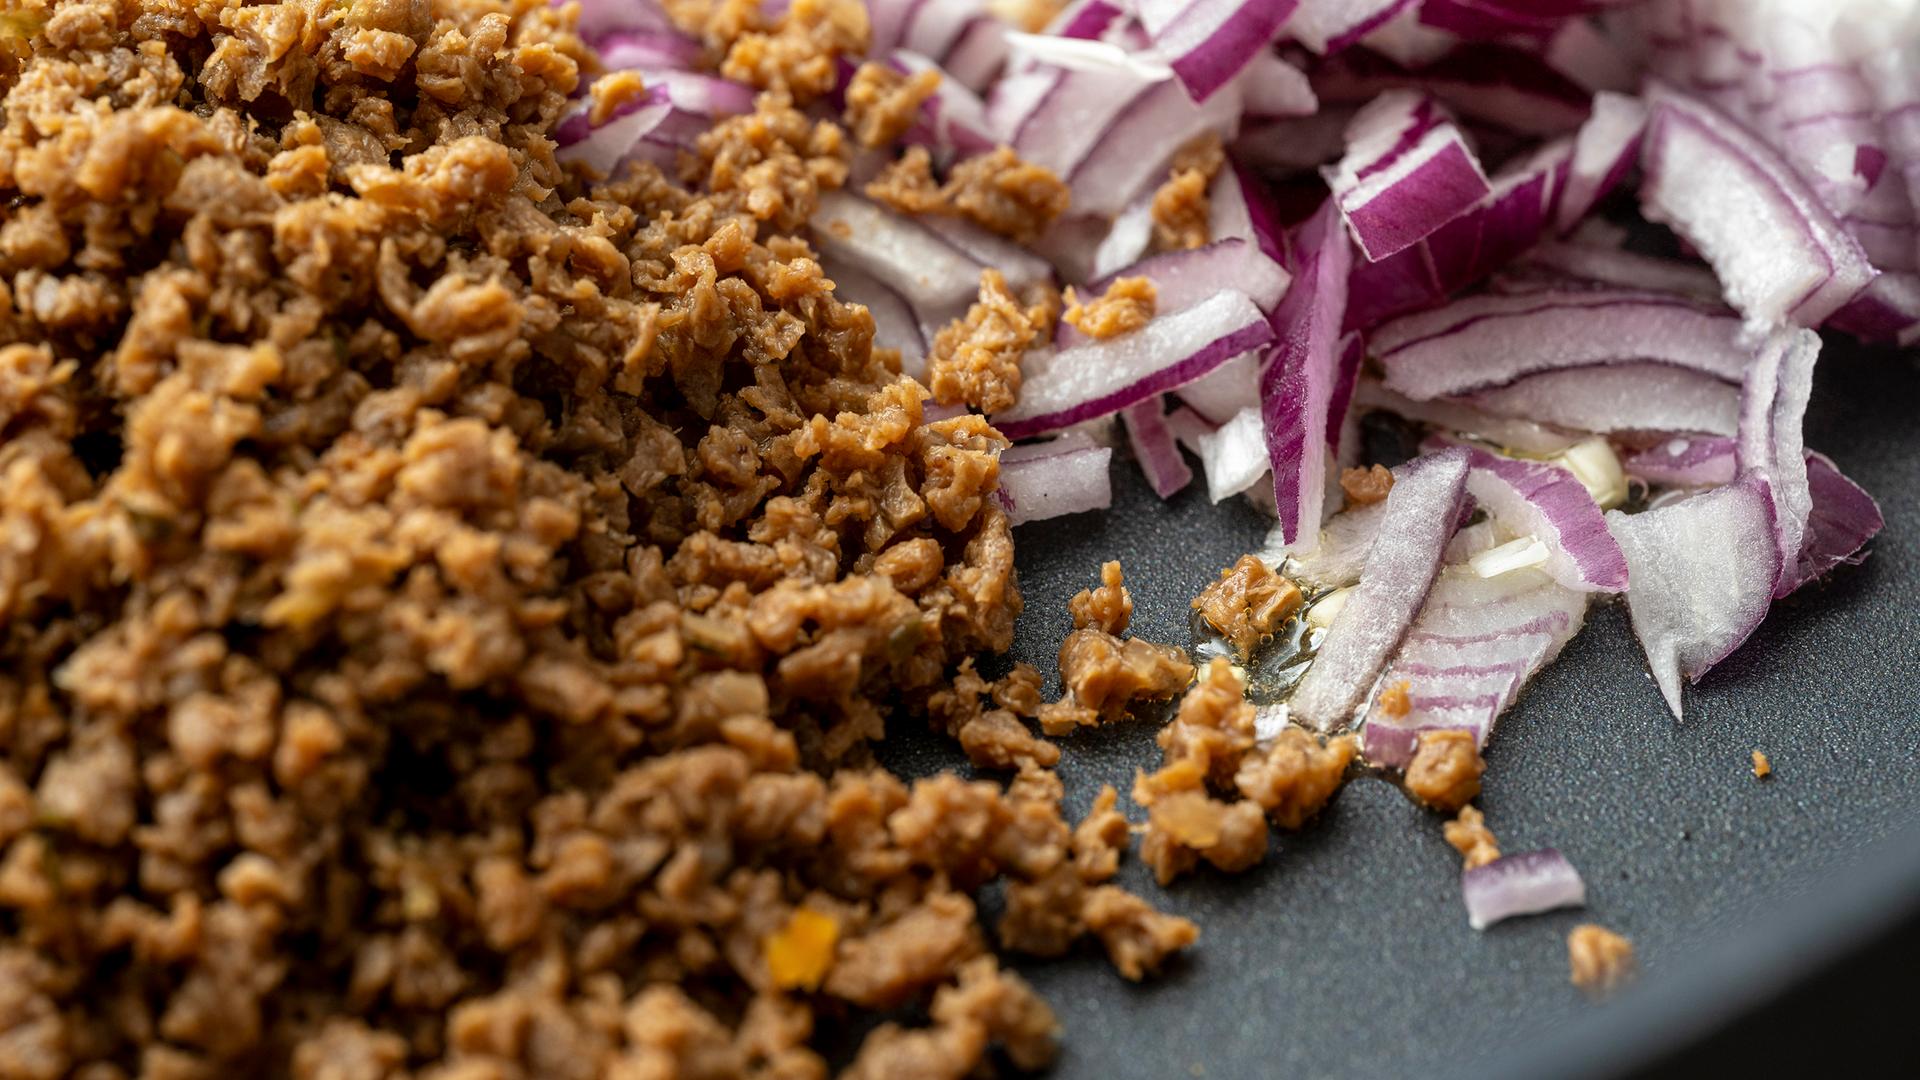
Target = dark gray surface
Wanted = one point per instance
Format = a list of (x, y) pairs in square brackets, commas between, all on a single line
[(1347, 953)]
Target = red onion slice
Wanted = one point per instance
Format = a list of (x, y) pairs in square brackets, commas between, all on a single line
[(1604, 152), (1340, 555), (1327, 26), (1155, 449), (1210, 41), (1702, 572), (1219, 395), (1524, 884), (1595, 265), (1132, 152), (1407, 171), (1460, 418), (1422, 512), (1297, 389), (1772, 405), (1684, 462), (1491, 340), (1234, 455), (1547, 502), (1779, 253), (1100, 378), (1619, 398), (1051, 483), (1844, 517)]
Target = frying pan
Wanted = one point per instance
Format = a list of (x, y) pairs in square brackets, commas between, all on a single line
[(1347, 953)]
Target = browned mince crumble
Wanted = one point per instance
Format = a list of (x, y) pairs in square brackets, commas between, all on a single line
[(448, 603), (1600, 960)]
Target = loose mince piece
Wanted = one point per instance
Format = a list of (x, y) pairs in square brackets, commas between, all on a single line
[(1101, 672), (882, 103), (1445, 770), (1181, 206), (1469, 835), (1367, 486), (1601, 960), (1248, 602), (1762, 768), (975, 360), (997, 191), (1126, 306)]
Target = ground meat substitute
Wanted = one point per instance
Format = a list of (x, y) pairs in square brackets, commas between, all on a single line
[(883, 103), (1364, 487), (1102, 673), (1469, 835), (996, 191), (1247, 602), (1600, 960), (1180, 205), (975, 359), (447, 604), (1126, 306), (1445, 770)]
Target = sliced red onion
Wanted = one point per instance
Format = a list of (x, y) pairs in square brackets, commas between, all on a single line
[(1844, 517), (1486, 341), (1340, 555), (1422, 512), (1303, 144), (1155, 449), (1327, 26), (1524, 884), (1591, 58), (1407, 171), (1482, 19), (646, 50), (1088, 19), (1346, 375), (1297, 388), (1046, 485), (1703, 571), (1512, 89), (1132, 151), (1240, 204), (602, 18), (1619, 398), (1546, 501), (1234, 455), (1100, 378), (1187, 426), (1075, 109), (1272, 88), (953, 122), (1523, 436), (1779, 253), (1684, 462), (603, 148), (1621, 269), (1128, 241), (1210, 41), (1887, 310), (1603, 153), (1772, 405), (1220, 394), (933, 263)]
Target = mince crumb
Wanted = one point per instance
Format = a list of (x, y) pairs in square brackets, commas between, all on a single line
[(976, 359), (882, 103), (1601, 960), (1248, 602), (1394, 702), (1762, 767), (1180, 206), (997, 191), (1445, 770), (1469, 835), (612, 92), (799, 56), (1104, 673), (1126, 306), (1367, 486)]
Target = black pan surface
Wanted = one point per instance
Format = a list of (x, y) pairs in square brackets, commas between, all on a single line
[(1348, 954)]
